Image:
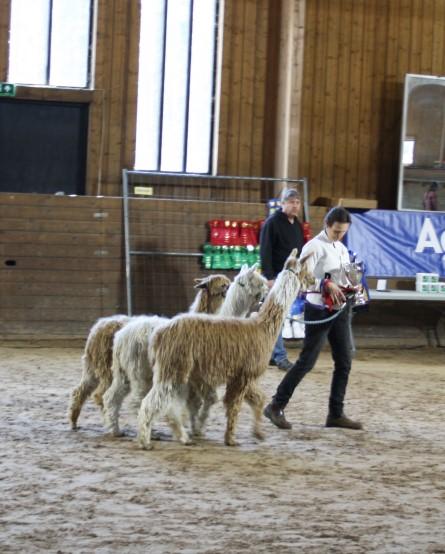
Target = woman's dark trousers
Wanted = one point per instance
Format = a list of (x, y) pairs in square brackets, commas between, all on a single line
[(338, 333)]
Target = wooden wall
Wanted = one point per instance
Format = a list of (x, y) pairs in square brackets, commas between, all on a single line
[(356, 53), (62, 259), (308, 88)]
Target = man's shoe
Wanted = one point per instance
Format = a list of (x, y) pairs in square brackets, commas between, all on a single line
[(285, 365), (272, 362), (276, 416), (343, 422)]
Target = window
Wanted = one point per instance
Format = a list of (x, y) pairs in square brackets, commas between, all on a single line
[(50, 42), (176, 89), (409, 145)]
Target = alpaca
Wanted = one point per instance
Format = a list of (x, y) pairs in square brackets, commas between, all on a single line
[(97, 359), (131, 366), (215, 351)]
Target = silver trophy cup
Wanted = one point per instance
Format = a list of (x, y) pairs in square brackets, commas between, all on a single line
[(354, 274)]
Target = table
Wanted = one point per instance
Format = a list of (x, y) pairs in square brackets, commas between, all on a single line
[(418, 296), (405, 295)]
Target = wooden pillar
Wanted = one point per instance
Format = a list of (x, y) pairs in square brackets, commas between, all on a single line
[(290, 79), (113, 115), (5, 14)]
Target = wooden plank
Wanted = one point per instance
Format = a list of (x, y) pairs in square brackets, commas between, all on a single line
[(95, 218), (51, 200), (72, 291), (318, 92), (344, 23), (131, 89), (95, 227), (426, 60), (113, 153), (71, 314), (404, 39), (366, 145), (63, 264), (438, 37), (247, 87), (225, 95), (377, 172), (330, 99), (415, 41), (236, 86), (257, 129), (351, 183), (5, 16), (295, 135), (58, 303), (67, 240), (49, 276), (307, 96), (9, 250)]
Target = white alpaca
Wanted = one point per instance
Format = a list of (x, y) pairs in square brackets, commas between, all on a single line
[(214, 351), (97, 359), (132, 369)]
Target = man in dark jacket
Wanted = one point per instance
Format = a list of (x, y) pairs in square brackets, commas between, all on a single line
[(281, 233)]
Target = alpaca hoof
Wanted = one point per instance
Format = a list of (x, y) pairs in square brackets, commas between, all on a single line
[(189, 442), (145, 445), (259, 435), (117, 433), (231, 442)]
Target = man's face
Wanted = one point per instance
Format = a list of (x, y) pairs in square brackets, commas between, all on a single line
[(337, 230), (291, 207)]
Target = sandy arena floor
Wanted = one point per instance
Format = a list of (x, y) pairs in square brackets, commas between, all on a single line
[(308, 490)]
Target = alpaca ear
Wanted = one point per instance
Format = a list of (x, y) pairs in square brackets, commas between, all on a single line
[(254, 267), (201, 283), (244, 269), (306, 258), (294, 253)]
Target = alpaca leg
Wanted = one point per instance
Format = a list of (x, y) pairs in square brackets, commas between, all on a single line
[(210, 398), (113, 399), (79, 395), (194, 402), (103, 386), (232, 400), (157, 402), (139, 388), (256, 400), (176, 415)]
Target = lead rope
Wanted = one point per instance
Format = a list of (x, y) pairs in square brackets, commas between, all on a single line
[(319, 322)]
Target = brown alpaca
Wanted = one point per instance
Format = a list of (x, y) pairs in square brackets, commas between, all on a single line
[(214, 351), (98, 356)]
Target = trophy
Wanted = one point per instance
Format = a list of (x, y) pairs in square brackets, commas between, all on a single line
[(355, 291)]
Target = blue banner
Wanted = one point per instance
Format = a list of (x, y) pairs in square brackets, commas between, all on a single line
[(399, 243)]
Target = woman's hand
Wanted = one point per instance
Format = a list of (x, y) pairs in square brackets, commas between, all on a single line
[(335, 293)]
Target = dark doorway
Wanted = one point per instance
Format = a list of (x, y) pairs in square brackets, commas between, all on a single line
[(43, 146)]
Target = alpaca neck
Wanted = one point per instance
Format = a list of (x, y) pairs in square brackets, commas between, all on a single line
[(278, 301), (201, 303), (235, 303)]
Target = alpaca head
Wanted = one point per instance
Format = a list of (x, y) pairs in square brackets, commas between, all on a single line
[(215, 285), (294, 275), (211, 293), (254, 283)]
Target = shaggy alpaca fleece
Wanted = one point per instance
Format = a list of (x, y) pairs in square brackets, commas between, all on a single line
[(97, 359), (132, 370), (214, 351)]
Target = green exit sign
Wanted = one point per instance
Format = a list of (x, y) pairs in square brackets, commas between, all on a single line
[(7, 89)]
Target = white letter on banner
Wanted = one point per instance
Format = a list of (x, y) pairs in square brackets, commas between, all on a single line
[(428, 238)]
